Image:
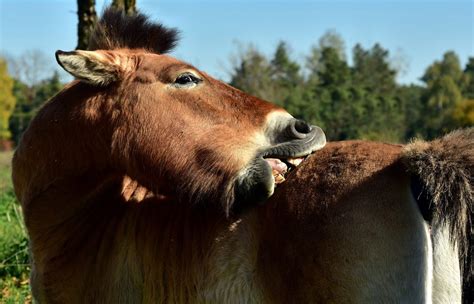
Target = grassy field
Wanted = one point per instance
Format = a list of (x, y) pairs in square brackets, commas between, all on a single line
[(14, 268)]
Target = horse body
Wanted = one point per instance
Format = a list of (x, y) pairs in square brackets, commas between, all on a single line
[(332, 233), (139, 183)]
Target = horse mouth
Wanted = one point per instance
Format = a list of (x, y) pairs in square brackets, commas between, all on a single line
[(282, 167), (271, 166), (285, 157)]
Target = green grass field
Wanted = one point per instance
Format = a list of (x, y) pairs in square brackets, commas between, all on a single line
[(14, 268)]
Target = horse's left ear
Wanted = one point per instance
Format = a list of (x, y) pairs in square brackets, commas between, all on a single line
[(95, 67)]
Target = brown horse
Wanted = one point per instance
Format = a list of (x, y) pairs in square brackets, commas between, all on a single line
[(119, 175)]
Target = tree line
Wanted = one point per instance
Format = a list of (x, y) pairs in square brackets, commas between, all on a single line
[(361, 100)]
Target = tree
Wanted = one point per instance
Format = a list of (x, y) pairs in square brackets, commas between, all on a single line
[(331, 107), (468, 85), (330, 39), (444, 80), (372, 70), (449, 66), (284, 70), (30, 67), (27, 105), (362, 100), (128, 6), (87, 18), (413, 108), (285, 74), (463, 113), (374, 78), (7, 101), (252, 73)]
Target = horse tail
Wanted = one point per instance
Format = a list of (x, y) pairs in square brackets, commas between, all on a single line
[(442, 183)]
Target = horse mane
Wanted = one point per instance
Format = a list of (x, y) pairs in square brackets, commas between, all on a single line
[(117, 30)]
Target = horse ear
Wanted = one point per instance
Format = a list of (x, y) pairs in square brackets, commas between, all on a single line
[(94, 67)]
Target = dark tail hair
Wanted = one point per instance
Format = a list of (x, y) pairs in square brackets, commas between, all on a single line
[(442, 174)]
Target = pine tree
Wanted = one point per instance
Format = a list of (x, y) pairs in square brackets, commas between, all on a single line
[(330, 39), (285, 74), (375, 81), (252, 73)]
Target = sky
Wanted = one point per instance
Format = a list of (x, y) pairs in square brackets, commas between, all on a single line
[(417, 31)]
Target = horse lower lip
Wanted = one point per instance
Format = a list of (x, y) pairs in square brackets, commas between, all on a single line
[(277, 165)]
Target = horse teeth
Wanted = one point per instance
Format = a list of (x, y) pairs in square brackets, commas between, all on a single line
[(295, 161), (279, 178)]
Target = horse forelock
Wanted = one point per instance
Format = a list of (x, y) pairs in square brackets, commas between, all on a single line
[(117, 30)]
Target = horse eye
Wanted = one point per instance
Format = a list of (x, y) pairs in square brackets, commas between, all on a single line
[(186, 79)]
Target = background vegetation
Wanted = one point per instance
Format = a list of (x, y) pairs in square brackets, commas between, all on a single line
[(350, 98), (14, 268), (360, 100)]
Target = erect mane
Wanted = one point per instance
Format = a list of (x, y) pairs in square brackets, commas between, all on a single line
[(116, 30)]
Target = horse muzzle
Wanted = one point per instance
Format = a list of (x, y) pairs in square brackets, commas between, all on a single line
[(290, 142)]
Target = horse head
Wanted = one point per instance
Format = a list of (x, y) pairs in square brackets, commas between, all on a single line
[(171, 127)]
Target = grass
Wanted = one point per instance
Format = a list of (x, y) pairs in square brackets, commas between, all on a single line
[(14, 266)]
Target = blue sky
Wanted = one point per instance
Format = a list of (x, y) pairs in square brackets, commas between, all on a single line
[(420, 30)]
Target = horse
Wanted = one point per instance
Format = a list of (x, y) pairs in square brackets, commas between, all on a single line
[(145, 180)]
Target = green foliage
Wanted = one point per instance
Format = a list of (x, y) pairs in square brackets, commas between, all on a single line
[(362, 100), (468, 84), (275, 79), (285, 75), (252, 74), (330, 39), (29, 100), (444, 81), (463, 113), (7, 100)]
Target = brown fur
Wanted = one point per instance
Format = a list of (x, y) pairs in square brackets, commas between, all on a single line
[(311, 231), (445, 167), (332, 216), (125, 133), (119, 176), (117, 129)]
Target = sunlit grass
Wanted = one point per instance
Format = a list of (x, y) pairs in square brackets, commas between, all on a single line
[(14, 267)]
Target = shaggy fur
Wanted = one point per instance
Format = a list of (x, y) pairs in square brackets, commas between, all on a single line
[(344, 228), (445, 168), (108, 178), (117, 30)]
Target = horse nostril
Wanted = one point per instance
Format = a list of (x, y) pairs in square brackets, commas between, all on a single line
[(300, 127)]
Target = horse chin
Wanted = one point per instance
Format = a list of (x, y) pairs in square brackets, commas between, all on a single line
[(258, 180), (253, 185)]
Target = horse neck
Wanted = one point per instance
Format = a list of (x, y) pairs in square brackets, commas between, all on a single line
[(70, 137), (156, 248)]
